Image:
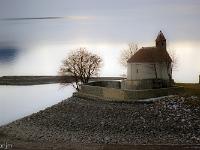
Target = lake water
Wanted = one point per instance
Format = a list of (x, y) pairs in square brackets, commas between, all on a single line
[(19, 101), (37, 46)]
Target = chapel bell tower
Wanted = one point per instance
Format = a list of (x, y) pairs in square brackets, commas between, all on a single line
[(161, 41)]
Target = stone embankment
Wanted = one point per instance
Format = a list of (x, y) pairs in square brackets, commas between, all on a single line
[(170, 120)]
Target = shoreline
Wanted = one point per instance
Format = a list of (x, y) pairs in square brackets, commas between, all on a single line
[(168, 121)]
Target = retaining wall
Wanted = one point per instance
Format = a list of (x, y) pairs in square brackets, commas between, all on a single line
[(117, 94)]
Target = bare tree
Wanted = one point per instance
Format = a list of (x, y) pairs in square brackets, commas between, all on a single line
[(127, 53), (81, 65), (174, 64), (171, 66), (155, 70)]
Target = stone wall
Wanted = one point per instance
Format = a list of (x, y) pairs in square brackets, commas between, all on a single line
[(110, 84), (114, 94)]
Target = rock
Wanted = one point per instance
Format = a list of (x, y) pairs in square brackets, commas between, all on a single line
[(182, 120)]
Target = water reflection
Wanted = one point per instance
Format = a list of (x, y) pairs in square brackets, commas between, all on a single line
[(19, 101)]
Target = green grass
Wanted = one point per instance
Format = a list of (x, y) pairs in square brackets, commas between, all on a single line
[(191, 89)]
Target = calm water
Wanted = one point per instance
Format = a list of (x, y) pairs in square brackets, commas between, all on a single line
[(38, 46), (19, 101)]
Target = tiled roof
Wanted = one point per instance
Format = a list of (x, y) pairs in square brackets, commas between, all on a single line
[(150, 54)]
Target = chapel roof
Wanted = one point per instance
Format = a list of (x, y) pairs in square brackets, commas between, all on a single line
[(150, 54)]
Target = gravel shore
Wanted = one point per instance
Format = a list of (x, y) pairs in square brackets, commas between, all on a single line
[(169, 120)]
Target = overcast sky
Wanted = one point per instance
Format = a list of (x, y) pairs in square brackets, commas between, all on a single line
[(103, 25)]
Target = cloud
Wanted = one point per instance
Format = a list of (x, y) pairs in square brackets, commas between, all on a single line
[(8, 54), (49, 18)]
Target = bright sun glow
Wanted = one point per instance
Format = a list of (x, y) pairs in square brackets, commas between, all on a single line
[(188, 61)]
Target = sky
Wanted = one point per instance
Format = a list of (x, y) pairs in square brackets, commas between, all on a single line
[(43, 32)]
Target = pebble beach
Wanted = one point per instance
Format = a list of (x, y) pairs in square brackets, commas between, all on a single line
[(169, 120)]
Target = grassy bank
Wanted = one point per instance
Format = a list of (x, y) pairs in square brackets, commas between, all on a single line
[(191, 88)]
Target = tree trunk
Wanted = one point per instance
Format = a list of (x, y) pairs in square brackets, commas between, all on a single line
[(155, 70)]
